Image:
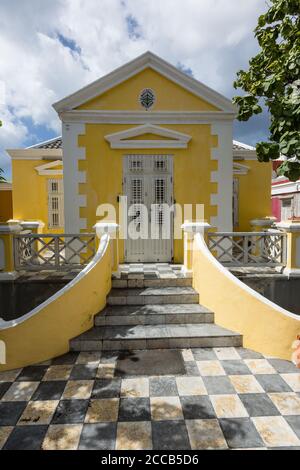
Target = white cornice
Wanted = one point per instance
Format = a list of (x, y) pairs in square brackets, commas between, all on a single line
[(244, 146), (120, 140), (285, 188), (142, 117), (244, 154), (147, 60), (149, 144), (34, 154)]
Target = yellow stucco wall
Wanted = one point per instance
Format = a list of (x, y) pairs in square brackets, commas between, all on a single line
[(125, 95), (104, 166), (6, 205), (30, 192), (266, 327), (254, 193)]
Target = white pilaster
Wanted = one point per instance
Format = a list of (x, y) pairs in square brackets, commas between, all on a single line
[(72, 153), (222, 176)]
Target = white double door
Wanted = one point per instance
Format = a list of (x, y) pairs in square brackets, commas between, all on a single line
[(148, 185)]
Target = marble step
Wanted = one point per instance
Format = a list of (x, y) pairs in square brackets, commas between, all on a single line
[(153, 295), (155, 337), (153, 314), (157, 282)]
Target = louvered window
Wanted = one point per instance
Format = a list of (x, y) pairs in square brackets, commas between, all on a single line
[(55, 203), (235, 202)]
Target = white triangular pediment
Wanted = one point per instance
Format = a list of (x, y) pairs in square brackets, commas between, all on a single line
[(132, 68), (239, 169), (50, 168), (126, 139)]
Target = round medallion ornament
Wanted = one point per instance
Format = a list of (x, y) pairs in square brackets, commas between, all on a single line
[(147, 98)]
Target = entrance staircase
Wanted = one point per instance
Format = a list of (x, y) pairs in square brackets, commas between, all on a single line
[(159, 313)]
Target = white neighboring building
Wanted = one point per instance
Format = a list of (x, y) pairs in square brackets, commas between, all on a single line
[(285, 196)]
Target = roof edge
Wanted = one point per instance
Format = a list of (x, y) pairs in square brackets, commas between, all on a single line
[(131, 68)]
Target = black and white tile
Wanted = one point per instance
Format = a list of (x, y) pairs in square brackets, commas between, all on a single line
[(228, 398)]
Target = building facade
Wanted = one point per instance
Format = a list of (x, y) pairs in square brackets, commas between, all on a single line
[(285, 195), (149, 132)]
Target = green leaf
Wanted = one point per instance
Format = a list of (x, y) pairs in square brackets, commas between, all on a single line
[(273, 79)]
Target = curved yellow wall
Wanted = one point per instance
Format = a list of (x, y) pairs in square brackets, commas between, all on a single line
[(266, 327), (67, 314), (254, 193)]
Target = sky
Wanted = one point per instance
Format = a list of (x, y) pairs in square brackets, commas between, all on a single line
[(51, 48)]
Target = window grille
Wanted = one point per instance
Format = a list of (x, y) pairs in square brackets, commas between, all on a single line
[(235, 202), (147, 98), (55, 203)]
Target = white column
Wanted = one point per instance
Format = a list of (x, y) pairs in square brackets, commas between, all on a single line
[(223, 176), (190, 229), (72, 153)]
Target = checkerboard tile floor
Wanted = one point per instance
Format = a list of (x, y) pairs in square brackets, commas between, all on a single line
[(149, 271), (228, 398)]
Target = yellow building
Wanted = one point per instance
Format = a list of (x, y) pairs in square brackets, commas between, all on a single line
[(37, 174), (135, 143), (6, 210), (149, 132)]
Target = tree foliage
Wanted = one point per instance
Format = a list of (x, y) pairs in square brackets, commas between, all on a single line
[(273, 78)]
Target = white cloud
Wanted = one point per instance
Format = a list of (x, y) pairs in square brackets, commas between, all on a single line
[(213, 38)]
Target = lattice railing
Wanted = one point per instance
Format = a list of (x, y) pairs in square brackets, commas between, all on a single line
[(53, 251), (248, 248)]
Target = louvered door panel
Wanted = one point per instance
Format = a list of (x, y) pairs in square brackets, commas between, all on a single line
[(148, 187)]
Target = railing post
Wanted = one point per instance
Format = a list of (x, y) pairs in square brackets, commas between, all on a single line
[(35, 226), (260, 225), (292, 230), (7, 262), (112, 229), (56, 252), (190, 229), (245, 249)]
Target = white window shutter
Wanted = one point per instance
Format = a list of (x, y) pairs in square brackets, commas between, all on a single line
[(55, 203)]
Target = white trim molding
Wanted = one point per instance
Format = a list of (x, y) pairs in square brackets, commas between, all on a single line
[(244, 146), (132, 68), (35, 154), (48, 169), (239, 169), (244, 154), (285, 188), (95, 116), (119, 140)]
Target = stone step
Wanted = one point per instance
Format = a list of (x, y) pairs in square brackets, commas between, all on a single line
[(153, 295), (153, 314), (157, 282), (155, 337)]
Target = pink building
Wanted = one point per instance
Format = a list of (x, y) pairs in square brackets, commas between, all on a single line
[(285, 196)]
